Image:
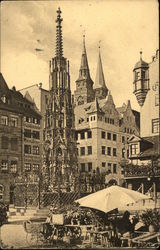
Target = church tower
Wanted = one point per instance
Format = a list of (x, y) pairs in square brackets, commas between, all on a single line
[(60, 146), (84, 92), (100, 87)]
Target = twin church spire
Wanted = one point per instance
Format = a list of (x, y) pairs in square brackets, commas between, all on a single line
[(85, 85)]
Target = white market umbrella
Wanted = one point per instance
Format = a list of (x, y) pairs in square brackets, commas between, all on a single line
[(111, 198)]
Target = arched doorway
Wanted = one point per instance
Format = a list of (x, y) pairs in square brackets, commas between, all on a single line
[(12, 194), (112, 182)]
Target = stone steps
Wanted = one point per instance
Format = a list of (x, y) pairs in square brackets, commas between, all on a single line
[(22, 214)]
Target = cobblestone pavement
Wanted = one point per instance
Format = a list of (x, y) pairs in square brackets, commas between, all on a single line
[(13, 236)]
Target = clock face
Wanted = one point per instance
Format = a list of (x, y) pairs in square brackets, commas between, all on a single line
[(155, 86)]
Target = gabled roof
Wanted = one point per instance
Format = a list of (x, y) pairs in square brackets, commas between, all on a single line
[(134, 138), (28, 97), (14, 98), (3, 86), (94, 107)]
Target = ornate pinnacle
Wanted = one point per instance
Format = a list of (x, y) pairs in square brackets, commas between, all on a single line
[(59, 40)]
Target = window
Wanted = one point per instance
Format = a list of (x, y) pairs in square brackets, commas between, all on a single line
[(5, 142), (112, 121), (155, 125), (137, 74), (114, 137), (82, 135), (114, 168), (109, 136), (4, 120), (28, 119), (89, 166), (36, 135), (109, 166), (76, 136), (134, 149), (103, 135), (156, 100), (103, 150), (82, 150), (14, 144), (109, 151), (1, 192), (123, 153), (13, 122), (27, 166), (89, 134), (27, 149), (13, 168), (4, 165), (143, 75), (35, 167), (82, 167), (27, 133), (103, 164), (128, 130), (35, 150), (127, 153), (123, 139), (35, 120), (114, 152), (87, 119), (89, 150)]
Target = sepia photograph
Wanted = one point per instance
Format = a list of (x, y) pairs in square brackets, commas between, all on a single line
[(79, 124)]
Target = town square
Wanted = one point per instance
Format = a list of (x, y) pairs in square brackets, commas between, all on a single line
[(79, 125)]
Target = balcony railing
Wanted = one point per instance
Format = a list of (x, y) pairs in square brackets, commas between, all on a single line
[(140, 170)]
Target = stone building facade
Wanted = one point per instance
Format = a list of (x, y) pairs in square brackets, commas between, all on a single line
[(20, 151), (144, 150), (101, 128)]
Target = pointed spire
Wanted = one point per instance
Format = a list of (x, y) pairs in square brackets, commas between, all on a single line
[(141, 55), (84, 69), (100, 81), (59, 39)]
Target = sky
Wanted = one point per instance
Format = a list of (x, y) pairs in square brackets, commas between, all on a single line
[(123, 27)]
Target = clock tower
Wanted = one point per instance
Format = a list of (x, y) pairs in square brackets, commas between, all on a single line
[(60, 146)]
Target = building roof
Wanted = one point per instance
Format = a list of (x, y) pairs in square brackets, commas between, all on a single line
[(99, 81), (141, 63), (122, 109), (154, 148), (13, 98)]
